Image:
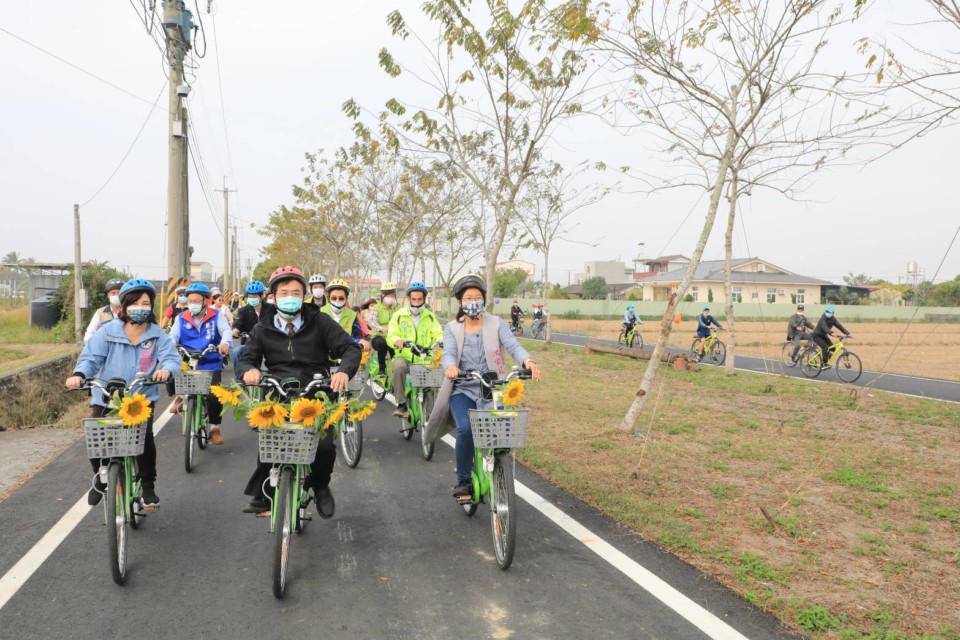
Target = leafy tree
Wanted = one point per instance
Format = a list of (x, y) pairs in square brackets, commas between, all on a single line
[(94, 276), (709, 295), (556, 292), (507, 283), (595, 288), (857, 280)]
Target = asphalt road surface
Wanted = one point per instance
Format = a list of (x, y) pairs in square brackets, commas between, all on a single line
[(398, 560)]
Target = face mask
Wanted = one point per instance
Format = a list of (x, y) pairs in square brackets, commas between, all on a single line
[(828, 314), (139, 315), (474, 308), (115, 301), (195, 309), (253, 302), (800, 313), (388, 301), (182, 299), (415, 309), (289, 306), (270, 301), (338, 305), (318, 292)]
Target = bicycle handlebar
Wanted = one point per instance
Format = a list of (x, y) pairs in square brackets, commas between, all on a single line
[(116, 384), (196, 355), (268, 381), (516, 372)]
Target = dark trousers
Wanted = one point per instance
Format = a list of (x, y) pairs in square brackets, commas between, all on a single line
[(824, 343), (798, 337), (147, 461), (514, 319), (320, 470), (213, 405), (380, 345)]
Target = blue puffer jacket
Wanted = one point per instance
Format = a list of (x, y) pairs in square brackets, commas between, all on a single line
[(109, 354)]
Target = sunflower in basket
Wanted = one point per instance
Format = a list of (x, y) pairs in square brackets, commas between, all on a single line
[(306, 411), (365, 358), (336, 415), (363, 412), (133, 410), (513, 394), (227, 396), (437, 357), (267, 414)]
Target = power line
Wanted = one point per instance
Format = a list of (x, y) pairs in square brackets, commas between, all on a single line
[(223, 112)]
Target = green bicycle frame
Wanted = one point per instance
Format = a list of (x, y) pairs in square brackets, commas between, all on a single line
[(708, 342), (482, 478), (197, 418), (373, 366), (131, 487), (833, 353), (297, 494)]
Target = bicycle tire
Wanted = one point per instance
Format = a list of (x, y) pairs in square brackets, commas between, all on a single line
[(117, 530), (282, 533), (351, 442), (849, 367), (136, 502), (188, 436), (718, 353), (693, 348), (810, 362), (406, 428), (503, 510), (622, 338), (379, 388), (302, 519), (426, 448), (637, 341), (203, 433), (785, 352)]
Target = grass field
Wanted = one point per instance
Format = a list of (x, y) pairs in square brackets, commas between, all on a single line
[(862, 491), (22, 345), (925, 349)]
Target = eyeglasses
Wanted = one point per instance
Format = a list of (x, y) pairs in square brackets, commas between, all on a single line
[(337, 299)]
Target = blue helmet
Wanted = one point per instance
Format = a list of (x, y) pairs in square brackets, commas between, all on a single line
[(630, 306), (705, 309), (199, 287), (417, 286), (829, 309), (255, 288), (138, 284)]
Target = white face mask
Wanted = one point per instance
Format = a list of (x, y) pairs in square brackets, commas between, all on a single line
[(318, 292), (115, 301), (389, 301)]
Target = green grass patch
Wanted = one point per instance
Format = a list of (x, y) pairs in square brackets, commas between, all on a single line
[(818, 619), (600, 444), (866, 479)]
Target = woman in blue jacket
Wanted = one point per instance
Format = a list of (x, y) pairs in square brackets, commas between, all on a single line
[(122, 348)]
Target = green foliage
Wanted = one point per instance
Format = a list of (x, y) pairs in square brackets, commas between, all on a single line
[(94, 276), (709, 295), (507, 283), (556, 292), (818, 618), (595, 288), (572, 314), (867, 479)]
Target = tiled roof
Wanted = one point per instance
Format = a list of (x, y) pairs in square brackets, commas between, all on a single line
[(712, 270)]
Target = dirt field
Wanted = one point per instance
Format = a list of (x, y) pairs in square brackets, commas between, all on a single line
[(862, 492), (931, 350)]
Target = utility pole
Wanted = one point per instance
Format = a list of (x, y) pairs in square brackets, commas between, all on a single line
[(77, 281), (178, 26), (228, 268), (234, 262)]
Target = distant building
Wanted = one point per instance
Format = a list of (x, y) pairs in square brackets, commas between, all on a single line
[(523, 265), (201, 271), (613, 271)]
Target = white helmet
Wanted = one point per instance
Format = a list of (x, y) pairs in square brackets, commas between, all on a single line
[(317, 279)]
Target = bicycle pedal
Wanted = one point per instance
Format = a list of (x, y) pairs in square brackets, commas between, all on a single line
[(263, 514), (151, 507)]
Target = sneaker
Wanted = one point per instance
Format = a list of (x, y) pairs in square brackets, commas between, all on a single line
[(463, 490), (96, 493), (149, 495), (401, 411), (215, 437), (326, 505), (257, 505)]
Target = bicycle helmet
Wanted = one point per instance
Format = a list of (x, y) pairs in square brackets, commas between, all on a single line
[(705, 309), (515, 302), (181, 290), (467, 282), (417, 286), (389, 286), (830, 309), (338, 283), (630, 306), (255, 288), (138, 285), (286, 273), (199, 287), (318, 279), (113, 283)]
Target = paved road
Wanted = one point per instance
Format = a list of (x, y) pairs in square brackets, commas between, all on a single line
[(948, 390), (399, 560)]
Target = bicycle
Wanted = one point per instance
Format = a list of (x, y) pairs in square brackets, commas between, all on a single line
[(291, 451), (117, 448), (351, 433), (496, 432), (631, 338), (538, 326), (847, 363), (516, 328), (786, 351), (420, 391), (194, 385), (379, 383), (713, 349)]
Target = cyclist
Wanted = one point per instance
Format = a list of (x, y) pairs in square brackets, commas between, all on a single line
[(175, 309), (515, 314), (381, 314), (221, 307), (122, 350), (821, 334), (109, 312), (318, 285), (704, 322), (195, 329), (796, 326), (297, 341), (473, 342), (248, 316), (630, 318), (337, 295), (538, 316), (415, 324)]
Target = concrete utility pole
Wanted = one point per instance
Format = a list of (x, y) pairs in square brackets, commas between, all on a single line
[(235, 261), (228, 266), (178, 26), (77, 281)]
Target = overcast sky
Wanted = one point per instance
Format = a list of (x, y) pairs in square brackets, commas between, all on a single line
[(286, 69)]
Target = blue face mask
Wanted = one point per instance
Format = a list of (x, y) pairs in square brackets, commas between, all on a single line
[(195, 309), (253, 302), (289, 306), (139, 315), (828, 314), (182, 299)]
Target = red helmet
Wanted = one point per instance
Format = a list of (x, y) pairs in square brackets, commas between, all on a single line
[(286, 273), (514, 302)]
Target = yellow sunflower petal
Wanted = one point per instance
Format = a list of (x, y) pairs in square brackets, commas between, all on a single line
[(135, 410), (513, 394)]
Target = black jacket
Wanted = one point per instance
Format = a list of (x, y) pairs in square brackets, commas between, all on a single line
[(306, 353), (826, 325), (246, 319)]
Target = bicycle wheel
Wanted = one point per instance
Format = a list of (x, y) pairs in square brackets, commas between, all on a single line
[(281, 532), (849, 366), (693, 348), (810, 362), (637, 342), (718, 353), (426, 448), (406, 428), (622, 338), (202, 428), (786, 351), (136, 504), (189, 414), (117, 522), (351, 441), (503, 514), (300, 499), (378, 387)]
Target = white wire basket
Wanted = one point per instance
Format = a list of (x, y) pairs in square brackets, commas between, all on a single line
[(423, 377), (286, 445), (358, 381), (503, 429), (193, 383), (108, 438)]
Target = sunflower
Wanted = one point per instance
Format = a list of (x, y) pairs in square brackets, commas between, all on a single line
[(267, 414), (226, 396), (437, 357), (365, 358), (364, 412), (183, 366), (513, 394), (306, 411), (135, 410), (335, 417)]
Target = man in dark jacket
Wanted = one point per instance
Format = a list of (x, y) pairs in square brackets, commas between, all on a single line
[(821, 334), (297, 341), (796, 330)]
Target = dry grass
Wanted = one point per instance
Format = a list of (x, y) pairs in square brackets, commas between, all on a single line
[(19, 356), (864, 499), (924, 350)]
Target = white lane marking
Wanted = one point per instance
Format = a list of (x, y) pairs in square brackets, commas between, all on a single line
[(26, 566)]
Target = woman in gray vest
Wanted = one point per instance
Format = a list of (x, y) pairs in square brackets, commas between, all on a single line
[(473, 342)]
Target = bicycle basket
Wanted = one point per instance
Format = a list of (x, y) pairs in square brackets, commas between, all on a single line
[(288, 446), (108, 438), (358, 381), (193, 383), (423, 377), (499, 429)]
